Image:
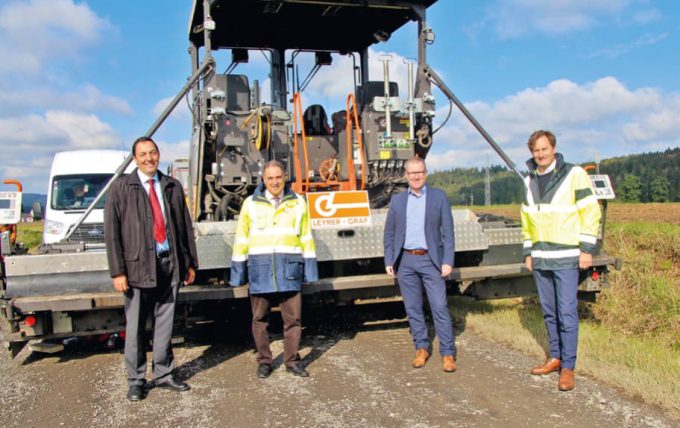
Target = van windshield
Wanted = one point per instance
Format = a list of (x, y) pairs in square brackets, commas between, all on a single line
[(76, 192)]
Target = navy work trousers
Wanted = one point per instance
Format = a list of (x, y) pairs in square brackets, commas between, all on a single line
[(414, 274), (557, 291)]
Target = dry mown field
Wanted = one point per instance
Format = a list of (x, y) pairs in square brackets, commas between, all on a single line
[(616, 212)]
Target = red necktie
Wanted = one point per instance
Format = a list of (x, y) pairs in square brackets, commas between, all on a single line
[(277, 201), (158, 222)]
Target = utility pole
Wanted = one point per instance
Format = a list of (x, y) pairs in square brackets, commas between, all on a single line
[(487, 181)]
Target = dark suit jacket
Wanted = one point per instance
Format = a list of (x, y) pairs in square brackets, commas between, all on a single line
[(438, 228), (128, 228)]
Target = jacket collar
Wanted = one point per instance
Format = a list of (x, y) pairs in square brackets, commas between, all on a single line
[(533, 167), (133, 179), (560, 171)]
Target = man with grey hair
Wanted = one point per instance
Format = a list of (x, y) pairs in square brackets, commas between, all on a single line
[(274, 253)]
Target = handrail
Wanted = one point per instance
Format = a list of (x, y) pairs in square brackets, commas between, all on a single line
[(297, 115), (352, 106)]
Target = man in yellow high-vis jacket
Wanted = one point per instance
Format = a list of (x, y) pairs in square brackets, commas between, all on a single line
[(560, 225), (274, 253)]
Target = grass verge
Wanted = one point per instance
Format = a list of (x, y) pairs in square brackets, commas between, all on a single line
[(644, 300), (642, 367)]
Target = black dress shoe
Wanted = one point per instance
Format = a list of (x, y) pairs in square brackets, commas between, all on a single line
[(297, 370), (173, 384), (135, 393), (264, 370)]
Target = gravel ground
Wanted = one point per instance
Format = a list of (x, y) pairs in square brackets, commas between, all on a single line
[(361, 376)]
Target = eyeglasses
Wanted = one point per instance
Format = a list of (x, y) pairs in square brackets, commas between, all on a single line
[(413, 173)]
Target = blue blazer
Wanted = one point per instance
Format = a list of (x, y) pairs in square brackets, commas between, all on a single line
[(438, 228)]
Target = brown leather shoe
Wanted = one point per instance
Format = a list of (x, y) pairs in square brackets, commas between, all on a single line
[(421, 358), (566, 382), (449, 363), (551, 365)]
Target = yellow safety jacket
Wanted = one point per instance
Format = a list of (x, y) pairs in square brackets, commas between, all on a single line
[(564, 221), (274, 249)]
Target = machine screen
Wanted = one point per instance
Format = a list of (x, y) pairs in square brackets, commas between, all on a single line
[(5, 204), (602, 186)]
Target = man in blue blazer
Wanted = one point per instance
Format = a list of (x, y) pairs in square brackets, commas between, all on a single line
[(419, 243)]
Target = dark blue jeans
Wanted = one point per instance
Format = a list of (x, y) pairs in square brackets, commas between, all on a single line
[(416, 273), (557, 290)]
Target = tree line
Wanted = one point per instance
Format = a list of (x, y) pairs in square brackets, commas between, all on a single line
[(646, 177)]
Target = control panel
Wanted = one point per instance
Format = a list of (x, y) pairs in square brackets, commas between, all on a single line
[(602, 186), (10, 207)]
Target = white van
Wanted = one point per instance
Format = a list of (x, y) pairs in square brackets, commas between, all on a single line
[(75, 180)]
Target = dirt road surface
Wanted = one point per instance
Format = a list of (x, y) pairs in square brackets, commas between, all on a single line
[(359, 362)]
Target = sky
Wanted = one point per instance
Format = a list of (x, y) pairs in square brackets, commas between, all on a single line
[(603, 75)]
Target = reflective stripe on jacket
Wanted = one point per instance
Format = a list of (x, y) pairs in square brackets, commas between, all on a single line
[(274, 248), (562, 223)]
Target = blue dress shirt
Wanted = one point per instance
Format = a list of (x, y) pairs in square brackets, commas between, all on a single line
[(415, 220)]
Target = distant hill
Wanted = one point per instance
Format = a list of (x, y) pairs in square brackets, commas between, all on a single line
[(647, 177), (27, 200)]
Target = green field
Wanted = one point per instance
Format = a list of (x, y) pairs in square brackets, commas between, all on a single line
[(30, 234)]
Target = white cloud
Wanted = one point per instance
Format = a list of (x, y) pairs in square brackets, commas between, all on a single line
[(171, 151), (516, 18), (661, 123), (83, 131), (84, 99), (32, 32), (180, 113), (601, 118), (33, 172), (29, 142), (331, 85), (620, 49), (41, 112), (55, 131), (30, 132)]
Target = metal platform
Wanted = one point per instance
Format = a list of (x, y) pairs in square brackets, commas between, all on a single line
[(86, 272)]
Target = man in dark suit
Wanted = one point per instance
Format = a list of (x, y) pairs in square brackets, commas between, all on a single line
[(419, 246), (150, 249)]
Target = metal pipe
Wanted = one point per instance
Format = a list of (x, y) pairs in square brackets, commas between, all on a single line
[(195, 128), (445, 89), (208, 26), (422, 84), (411, 106), (208, 63), (386, 75), (256, 93)]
